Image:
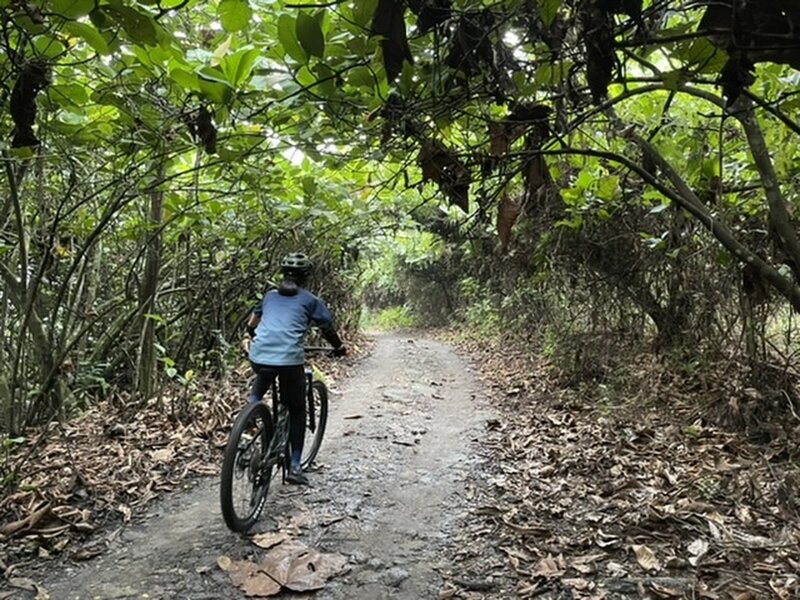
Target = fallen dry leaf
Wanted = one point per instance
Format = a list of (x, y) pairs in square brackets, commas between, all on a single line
[(252, 580), (578, 583), (26, 523), (125, 511), (448, 593), (646, 558), (291, 565), (296, 521), (162, 454), (550, 567), (300, 568), (269, 539), (697, 549)]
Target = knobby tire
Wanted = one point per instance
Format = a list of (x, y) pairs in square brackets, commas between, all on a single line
[(248, 442), (313, 439)]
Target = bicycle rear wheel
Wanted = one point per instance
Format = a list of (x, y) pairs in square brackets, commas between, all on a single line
[(313, 437), (244, 481)]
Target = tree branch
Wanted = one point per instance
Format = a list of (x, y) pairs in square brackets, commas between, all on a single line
[(779, 217)]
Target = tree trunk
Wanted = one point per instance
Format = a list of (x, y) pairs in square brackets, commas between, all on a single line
[(687, 199), (146, 367), (782, 230)]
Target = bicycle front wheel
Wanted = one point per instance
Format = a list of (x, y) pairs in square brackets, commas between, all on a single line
[(316, 419), (245, 479)]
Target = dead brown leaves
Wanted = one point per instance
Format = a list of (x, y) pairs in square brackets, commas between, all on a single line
[(389, 24), (291, 565), (288, 564), (596, 504), (102, 466), (442, 166), (507, 214)]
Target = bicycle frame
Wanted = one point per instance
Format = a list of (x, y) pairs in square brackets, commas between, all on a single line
[(260, 441)]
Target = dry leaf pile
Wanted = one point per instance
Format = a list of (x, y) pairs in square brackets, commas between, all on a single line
[(640, 502), (101, 467), (77, 476), (289, 564)]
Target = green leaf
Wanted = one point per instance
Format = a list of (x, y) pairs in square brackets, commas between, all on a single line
[(406, 81), (216, 92), (309, 185), (72, 9), (238, 66), (212, 74), (552, 74), (326, 78), (139, 27), (548, 10), (69, 94), (23, 152), (673, 79), (584, 180), (608, 187), (188, 81), (288, 39), (305, 77), (361, 77), (701, 55), (100, 19), (9, 443), (48, 46), (234, 14), (221, 51), (363, 11), (576, 222), (309, 34), (214, 85), (88, 34)]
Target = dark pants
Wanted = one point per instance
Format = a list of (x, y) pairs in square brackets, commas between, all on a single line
[(292, 386)]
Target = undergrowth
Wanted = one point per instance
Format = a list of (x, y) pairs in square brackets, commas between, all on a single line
[(388, 319)]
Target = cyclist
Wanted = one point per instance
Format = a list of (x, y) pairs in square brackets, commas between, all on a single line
[(279, 325)]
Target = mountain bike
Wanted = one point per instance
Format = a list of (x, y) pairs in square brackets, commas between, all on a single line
[(258, 449)]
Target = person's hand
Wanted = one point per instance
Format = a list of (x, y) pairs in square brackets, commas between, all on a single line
[(340, 351), (244, 346)]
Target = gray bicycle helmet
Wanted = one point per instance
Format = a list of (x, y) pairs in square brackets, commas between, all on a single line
[(296, 262)]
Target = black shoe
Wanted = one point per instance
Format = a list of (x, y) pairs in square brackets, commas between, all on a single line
[(296, 476)]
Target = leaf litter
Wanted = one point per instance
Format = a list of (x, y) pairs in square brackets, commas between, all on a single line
[(98, 468), (75, 480), (590, 502), (289, 564)]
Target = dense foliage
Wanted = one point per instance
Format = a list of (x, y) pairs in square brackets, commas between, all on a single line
[(594, 165), (158, 162), (623, 172)]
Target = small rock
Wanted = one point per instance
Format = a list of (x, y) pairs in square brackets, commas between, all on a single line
[(375, 563), (395, 576)]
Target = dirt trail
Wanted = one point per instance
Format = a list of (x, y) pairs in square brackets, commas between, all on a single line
[(388, 493)]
